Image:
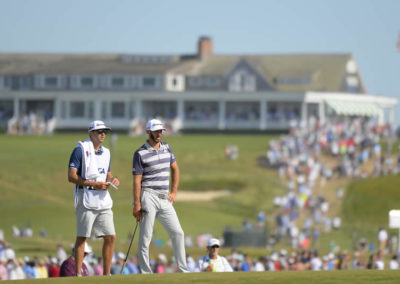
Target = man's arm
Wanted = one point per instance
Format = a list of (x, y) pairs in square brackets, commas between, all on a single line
[(175, 182), (137, 188), (73, 177)]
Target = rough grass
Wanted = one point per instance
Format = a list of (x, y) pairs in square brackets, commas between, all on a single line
[(34, 191)]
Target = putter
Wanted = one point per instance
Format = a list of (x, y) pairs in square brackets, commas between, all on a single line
[(133, 236)]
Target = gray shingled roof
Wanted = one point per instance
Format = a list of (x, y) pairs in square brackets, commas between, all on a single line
[(326, 70), (18, 64)]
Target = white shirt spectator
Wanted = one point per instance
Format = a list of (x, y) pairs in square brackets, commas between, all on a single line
[(316, 264), (393, 264), (220, 264), (379, 264), (382, 235)]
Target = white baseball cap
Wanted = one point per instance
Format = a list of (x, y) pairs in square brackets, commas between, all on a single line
[(154, 125), (97, 125), (213, 242)]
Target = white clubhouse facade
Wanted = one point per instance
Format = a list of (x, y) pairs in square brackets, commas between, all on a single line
[(203, 91)]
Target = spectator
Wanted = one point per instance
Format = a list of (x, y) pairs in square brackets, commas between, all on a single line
[(68, 266), (61, 254), (393, 263), (3, 269), (382, 239), (213, 262), (54, 269)]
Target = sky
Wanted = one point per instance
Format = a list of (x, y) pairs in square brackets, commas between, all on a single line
[(368, 29)]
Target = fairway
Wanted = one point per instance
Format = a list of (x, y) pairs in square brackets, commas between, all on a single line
[(319, 277), (35, 192)]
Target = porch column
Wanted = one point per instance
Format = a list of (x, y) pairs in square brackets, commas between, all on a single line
[(391, 115), (321, 112), (222, 110), (180, 110), (304, 113), (263, 114), (16, 107), (138, 109)]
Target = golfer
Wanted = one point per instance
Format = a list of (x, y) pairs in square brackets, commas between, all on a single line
[(89, 170), (152, 196)]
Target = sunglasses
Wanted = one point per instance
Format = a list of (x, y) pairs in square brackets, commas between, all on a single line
[(215, 246), (101, 131)]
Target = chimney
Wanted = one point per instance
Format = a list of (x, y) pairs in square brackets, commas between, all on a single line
[(204, 47)]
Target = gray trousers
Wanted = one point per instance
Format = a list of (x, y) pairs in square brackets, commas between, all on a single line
[(163, 210)]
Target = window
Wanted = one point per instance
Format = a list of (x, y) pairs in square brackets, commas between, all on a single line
[(195, 82), (51, 82), (91, 110), (117, 110), (77, 109), (87, 82), (213, 82), (200, 111), (63, 109), (25, 82), (242, 111), (293, 80), (352, 84), (104, 110), (117, 82), (242, 80), (149, 82), (132, 107), (6, 109)]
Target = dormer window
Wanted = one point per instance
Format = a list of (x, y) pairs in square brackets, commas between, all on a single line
[(51, 81), (117, 82), (212, 81), (87, 82), (295, 80), (241, 81), (352, 84), (175, 82), (149, 82)]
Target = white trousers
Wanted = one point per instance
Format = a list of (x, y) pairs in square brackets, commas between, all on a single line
[(163, 210)]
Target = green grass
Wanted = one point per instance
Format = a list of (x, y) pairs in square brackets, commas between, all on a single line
[(367, 204), (240, 277), (34, 190)]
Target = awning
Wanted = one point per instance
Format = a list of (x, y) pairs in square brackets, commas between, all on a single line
[(352, 108)]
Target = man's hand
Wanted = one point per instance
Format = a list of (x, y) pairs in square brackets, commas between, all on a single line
[(210, 268), (100, 185), (114, 181), (137, 212), (171, 197)]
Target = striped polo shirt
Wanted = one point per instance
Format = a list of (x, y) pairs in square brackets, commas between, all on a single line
[(154, 165)]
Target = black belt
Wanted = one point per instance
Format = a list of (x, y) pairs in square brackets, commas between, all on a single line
[(89, 187)]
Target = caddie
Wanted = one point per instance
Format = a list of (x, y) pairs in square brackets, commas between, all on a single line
[(90, 171)]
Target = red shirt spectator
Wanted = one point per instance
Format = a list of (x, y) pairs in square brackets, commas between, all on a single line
[(54, 269)]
